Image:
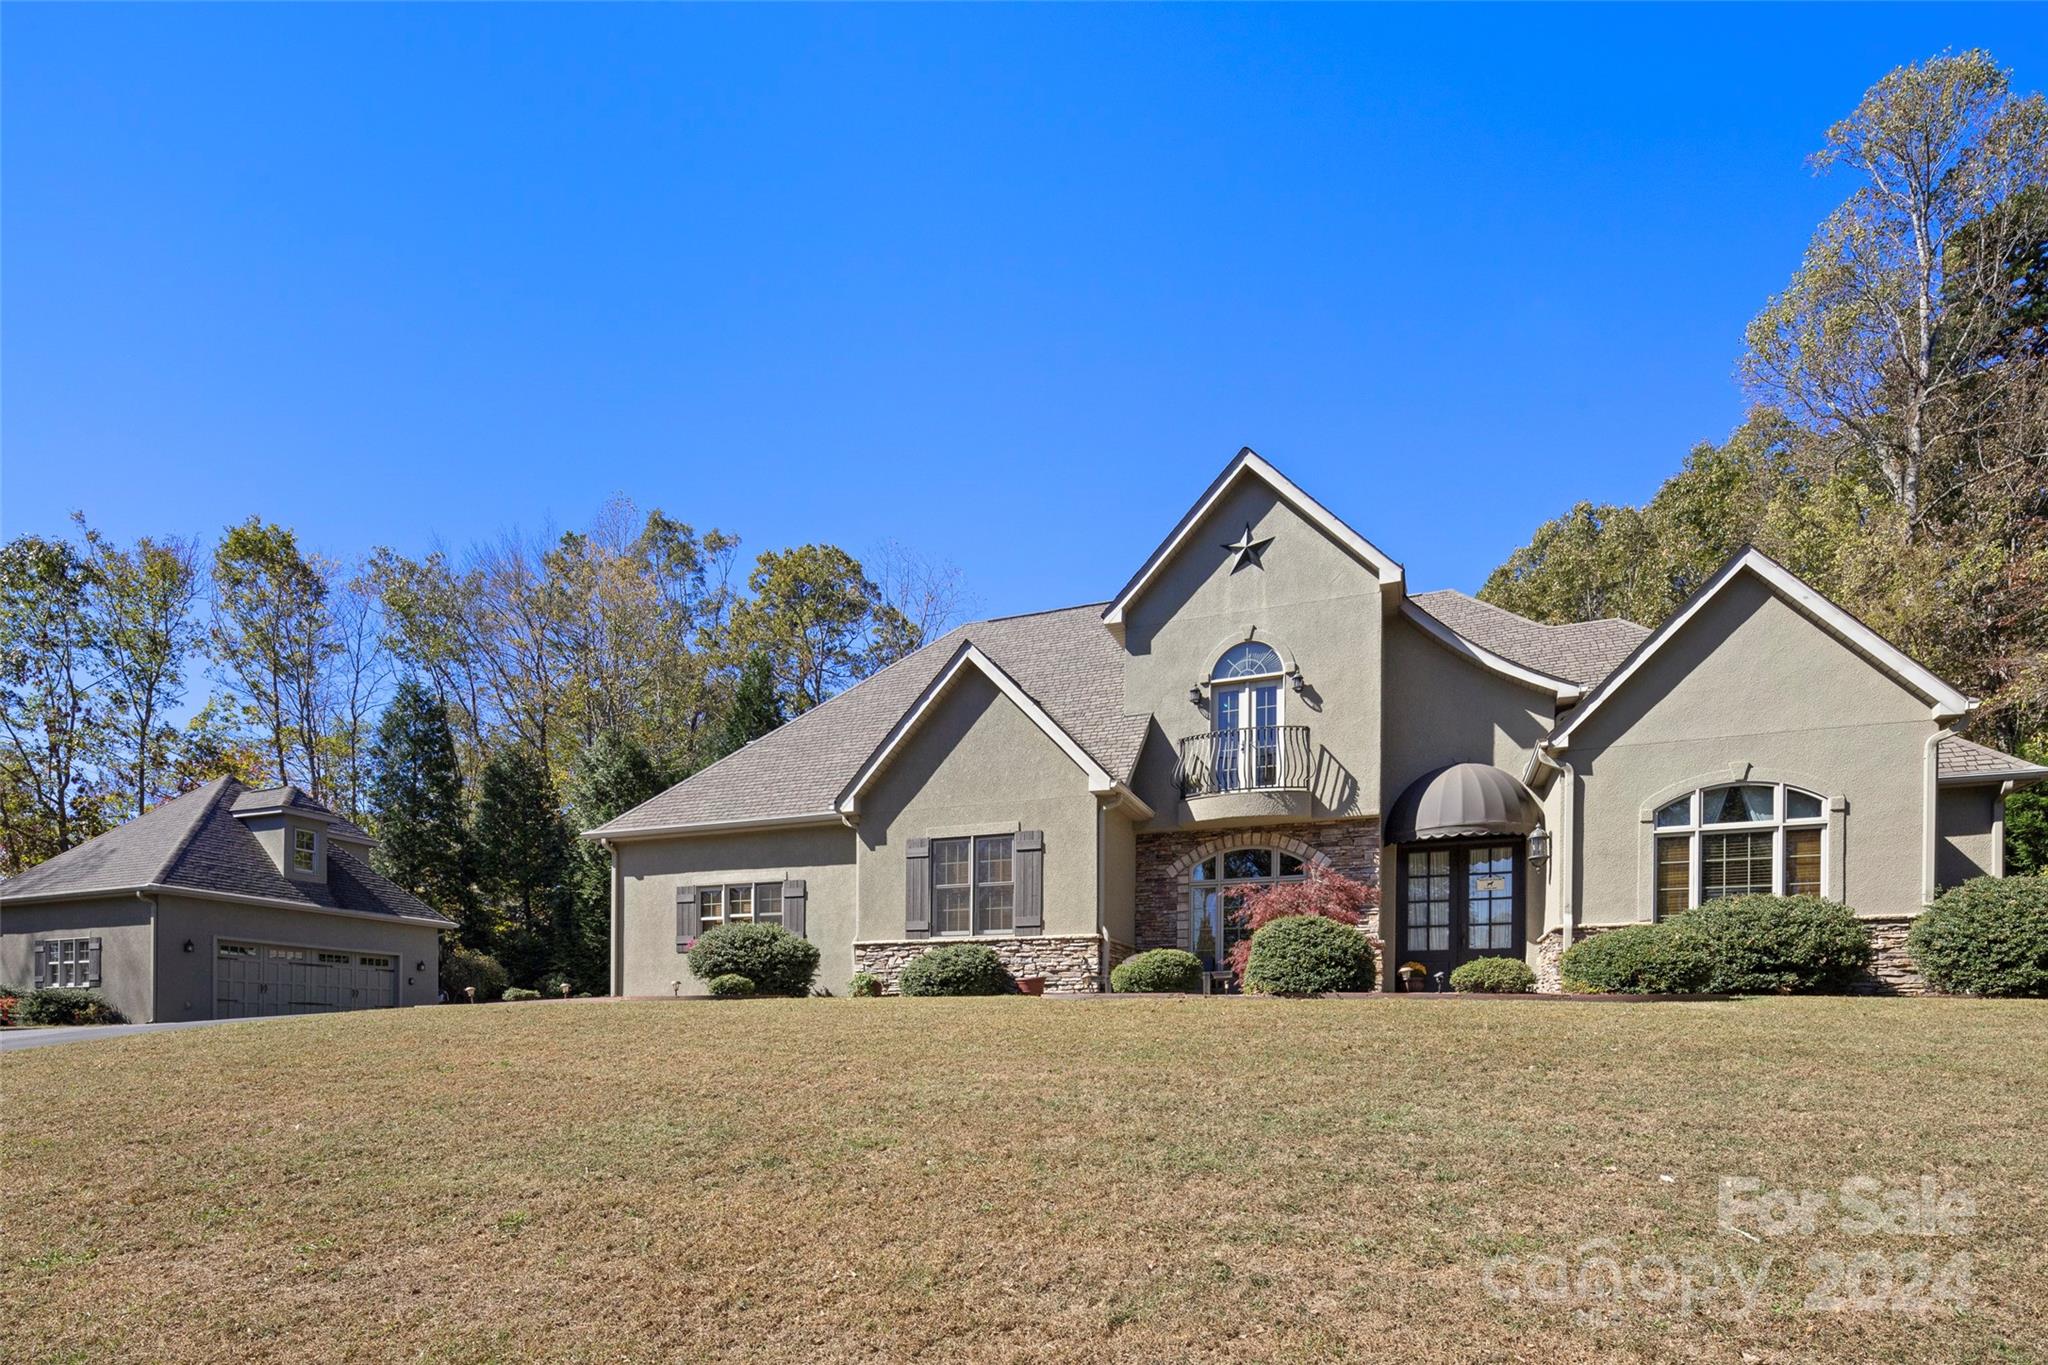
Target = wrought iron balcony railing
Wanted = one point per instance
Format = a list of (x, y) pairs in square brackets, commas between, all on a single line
[(1260, 758)]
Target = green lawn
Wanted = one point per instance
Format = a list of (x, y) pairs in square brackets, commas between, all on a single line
[(1154, 1179)]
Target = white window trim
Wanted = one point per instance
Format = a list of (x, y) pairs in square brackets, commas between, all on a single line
[(975, 928), (1196, 886), (1694, 828), (311, 850)]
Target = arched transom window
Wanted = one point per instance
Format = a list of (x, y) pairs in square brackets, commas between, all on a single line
[(1248, 660), (1743, 839), (1220, 887)]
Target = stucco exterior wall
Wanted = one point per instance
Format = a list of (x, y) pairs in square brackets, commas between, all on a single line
[(650, 870), (121, 924), (1119, 881), (978, 765), (1967, 835), (1314, 603), (185, 981), (1752, 685), (1444, 709)]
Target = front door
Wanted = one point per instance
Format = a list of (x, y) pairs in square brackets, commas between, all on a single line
[(1457, 902)]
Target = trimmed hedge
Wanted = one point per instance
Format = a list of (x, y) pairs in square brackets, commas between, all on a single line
[(864, 986), (731, 985), (1775, 945), (520, 993), (461, 967), (775, 960), (1494, 976), (1986, 937), (1160, 970), (1308, 955), (67, 1005), (1636, 959), (957, 969)]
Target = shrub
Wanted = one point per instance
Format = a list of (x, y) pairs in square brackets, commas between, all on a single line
[(775, 960), (731, 985), (462, 967), (864, 985), (520, 993), (1162, 969), (1494, 975), (9, 1003), (1308, 955), (67, 1005), (1328, 895), (1986, 937), (957, 969), (1772, 945), (1637, 959)]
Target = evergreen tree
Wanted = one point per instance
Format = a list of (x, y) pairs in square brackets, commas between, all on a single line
[(416, 791), (614, 775), (524, 851), (755, 708)]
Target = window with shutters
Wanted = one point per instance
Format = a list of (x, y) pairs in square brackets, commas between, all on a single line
[(69, 962), (974, 885), (1740, 839)]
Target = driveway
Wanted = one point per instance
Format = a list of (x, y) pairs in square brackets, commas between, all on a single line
[(17, 1040)]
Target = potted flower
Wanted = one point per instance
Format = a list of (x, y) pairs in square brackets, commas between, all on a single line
[(1031, 985), (1411, 974)]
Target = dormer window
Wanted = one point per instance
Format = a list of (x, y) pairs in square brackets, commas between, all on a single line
[(305, 844)]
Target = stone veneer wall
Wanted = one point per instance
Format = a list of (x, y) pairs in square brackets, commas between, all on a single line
[(1070, 962), (1166, 862)]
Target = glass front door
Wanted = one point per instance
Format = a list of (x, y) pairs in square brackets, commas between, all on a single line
[(1458, 902)]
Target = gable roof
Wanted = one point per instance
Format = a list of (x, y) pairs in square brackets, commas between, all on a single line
[(1064, 661), (196, 843), (1581, 652), (968, 658), (1961, 762), (1249, 464), (1946, 703)]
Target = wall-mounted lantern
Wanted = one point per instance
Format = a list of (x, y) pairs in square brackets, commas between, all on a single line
[(1294, 676), (1539, 846), (188, 945), (1195, 696)]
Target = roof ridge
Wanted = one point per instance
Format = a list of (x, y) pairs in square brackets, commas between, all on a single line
[(184, 845)]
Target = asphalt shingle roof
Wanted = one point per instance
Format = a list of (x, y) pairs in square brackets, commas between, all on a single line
[(1064, 660), (195, 843), (1957, 758), (1582, 652)]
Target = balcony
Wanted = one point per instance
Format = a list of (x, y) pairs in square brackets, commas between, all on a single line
[(1264, 771)]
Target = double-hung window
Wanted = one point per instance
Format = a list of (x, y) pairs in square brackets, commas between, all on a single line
[(974, 888), (739, 903), (1742, 839), (67, 962), (305, 844)]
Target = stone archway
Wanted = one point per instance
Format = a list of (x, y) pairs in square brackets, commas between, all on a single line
[(1166, 863)]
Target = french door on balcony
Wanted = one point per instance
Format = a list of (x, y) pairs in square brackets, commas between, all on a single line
[(1248, 749)]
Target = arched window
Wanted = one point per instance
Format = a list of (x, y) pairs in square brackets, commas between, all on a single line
[(1220, 887), (1245, 707), (1742, 839), (1248, 660)]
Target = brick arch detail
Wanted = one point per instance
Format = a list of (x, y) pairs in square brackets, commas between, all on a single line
[(1183, 867)]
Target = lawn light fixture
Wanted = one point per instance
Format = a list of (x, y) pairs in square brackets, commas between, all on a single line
[(1539, 846)]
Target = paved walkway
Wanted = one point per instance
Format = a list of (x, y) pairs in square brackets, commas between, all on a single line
[(16, 1040)]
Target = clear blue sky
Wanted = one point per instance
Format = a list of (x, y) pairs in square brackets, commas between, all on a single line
[(1007, 284)]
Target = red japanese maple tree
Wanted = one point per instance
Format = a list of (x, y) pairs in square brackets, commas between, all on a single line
[(1331, 895)]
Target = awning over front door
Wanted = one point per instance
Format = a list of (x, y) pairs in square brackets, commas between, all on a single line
[(1465, 800)]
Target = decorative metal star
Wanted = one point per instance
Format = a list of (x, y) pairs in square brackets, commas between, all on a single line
[(1248, 551)]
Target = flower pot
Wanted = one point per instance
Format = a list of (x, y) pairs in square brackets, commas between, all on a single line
[(1031, 985)]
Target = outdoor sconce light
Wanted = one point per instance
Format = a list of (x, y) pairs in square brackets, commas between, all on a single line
[(1195, 696), (1539, 846), (419, 966), (188, 945), (1294, 676)]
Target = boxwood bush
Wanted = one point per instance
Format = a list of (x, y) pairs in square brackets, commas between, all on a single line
[(956, 969), (461, 967), (67, 1005), (1494, 976), (515, 993), (864, 985), (1986, 937), (730, 985), (1636, 959), (775, 960), (1308, 955), (1161, 969), (1772, 945)]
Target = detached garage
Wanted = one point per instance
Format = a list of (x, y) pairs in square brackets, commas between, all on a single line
[(226, 903)]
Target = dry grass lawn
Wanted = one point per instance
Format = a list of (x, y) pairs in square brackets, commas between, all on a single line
[(1009, 1179)]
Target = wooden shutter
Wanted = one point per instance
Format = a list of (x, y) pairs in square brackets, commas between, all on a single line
[(1028, 870), (42, 972), (917, 888), (794, 896), (688, 923), (92, 963)]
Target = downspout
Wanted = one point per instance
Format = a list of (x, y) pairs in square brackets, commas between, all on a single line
[(1930, 787), (618, 963), (1101, 896), (2005, 789), (155, 976), (1565, 856)]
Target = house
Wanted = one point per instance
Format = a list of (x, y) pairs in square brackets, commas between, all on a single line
[(225, 902), (1266, 697)]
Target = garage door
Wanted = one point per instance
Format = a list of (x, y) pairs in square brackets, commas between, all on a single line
[(254, 979)]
